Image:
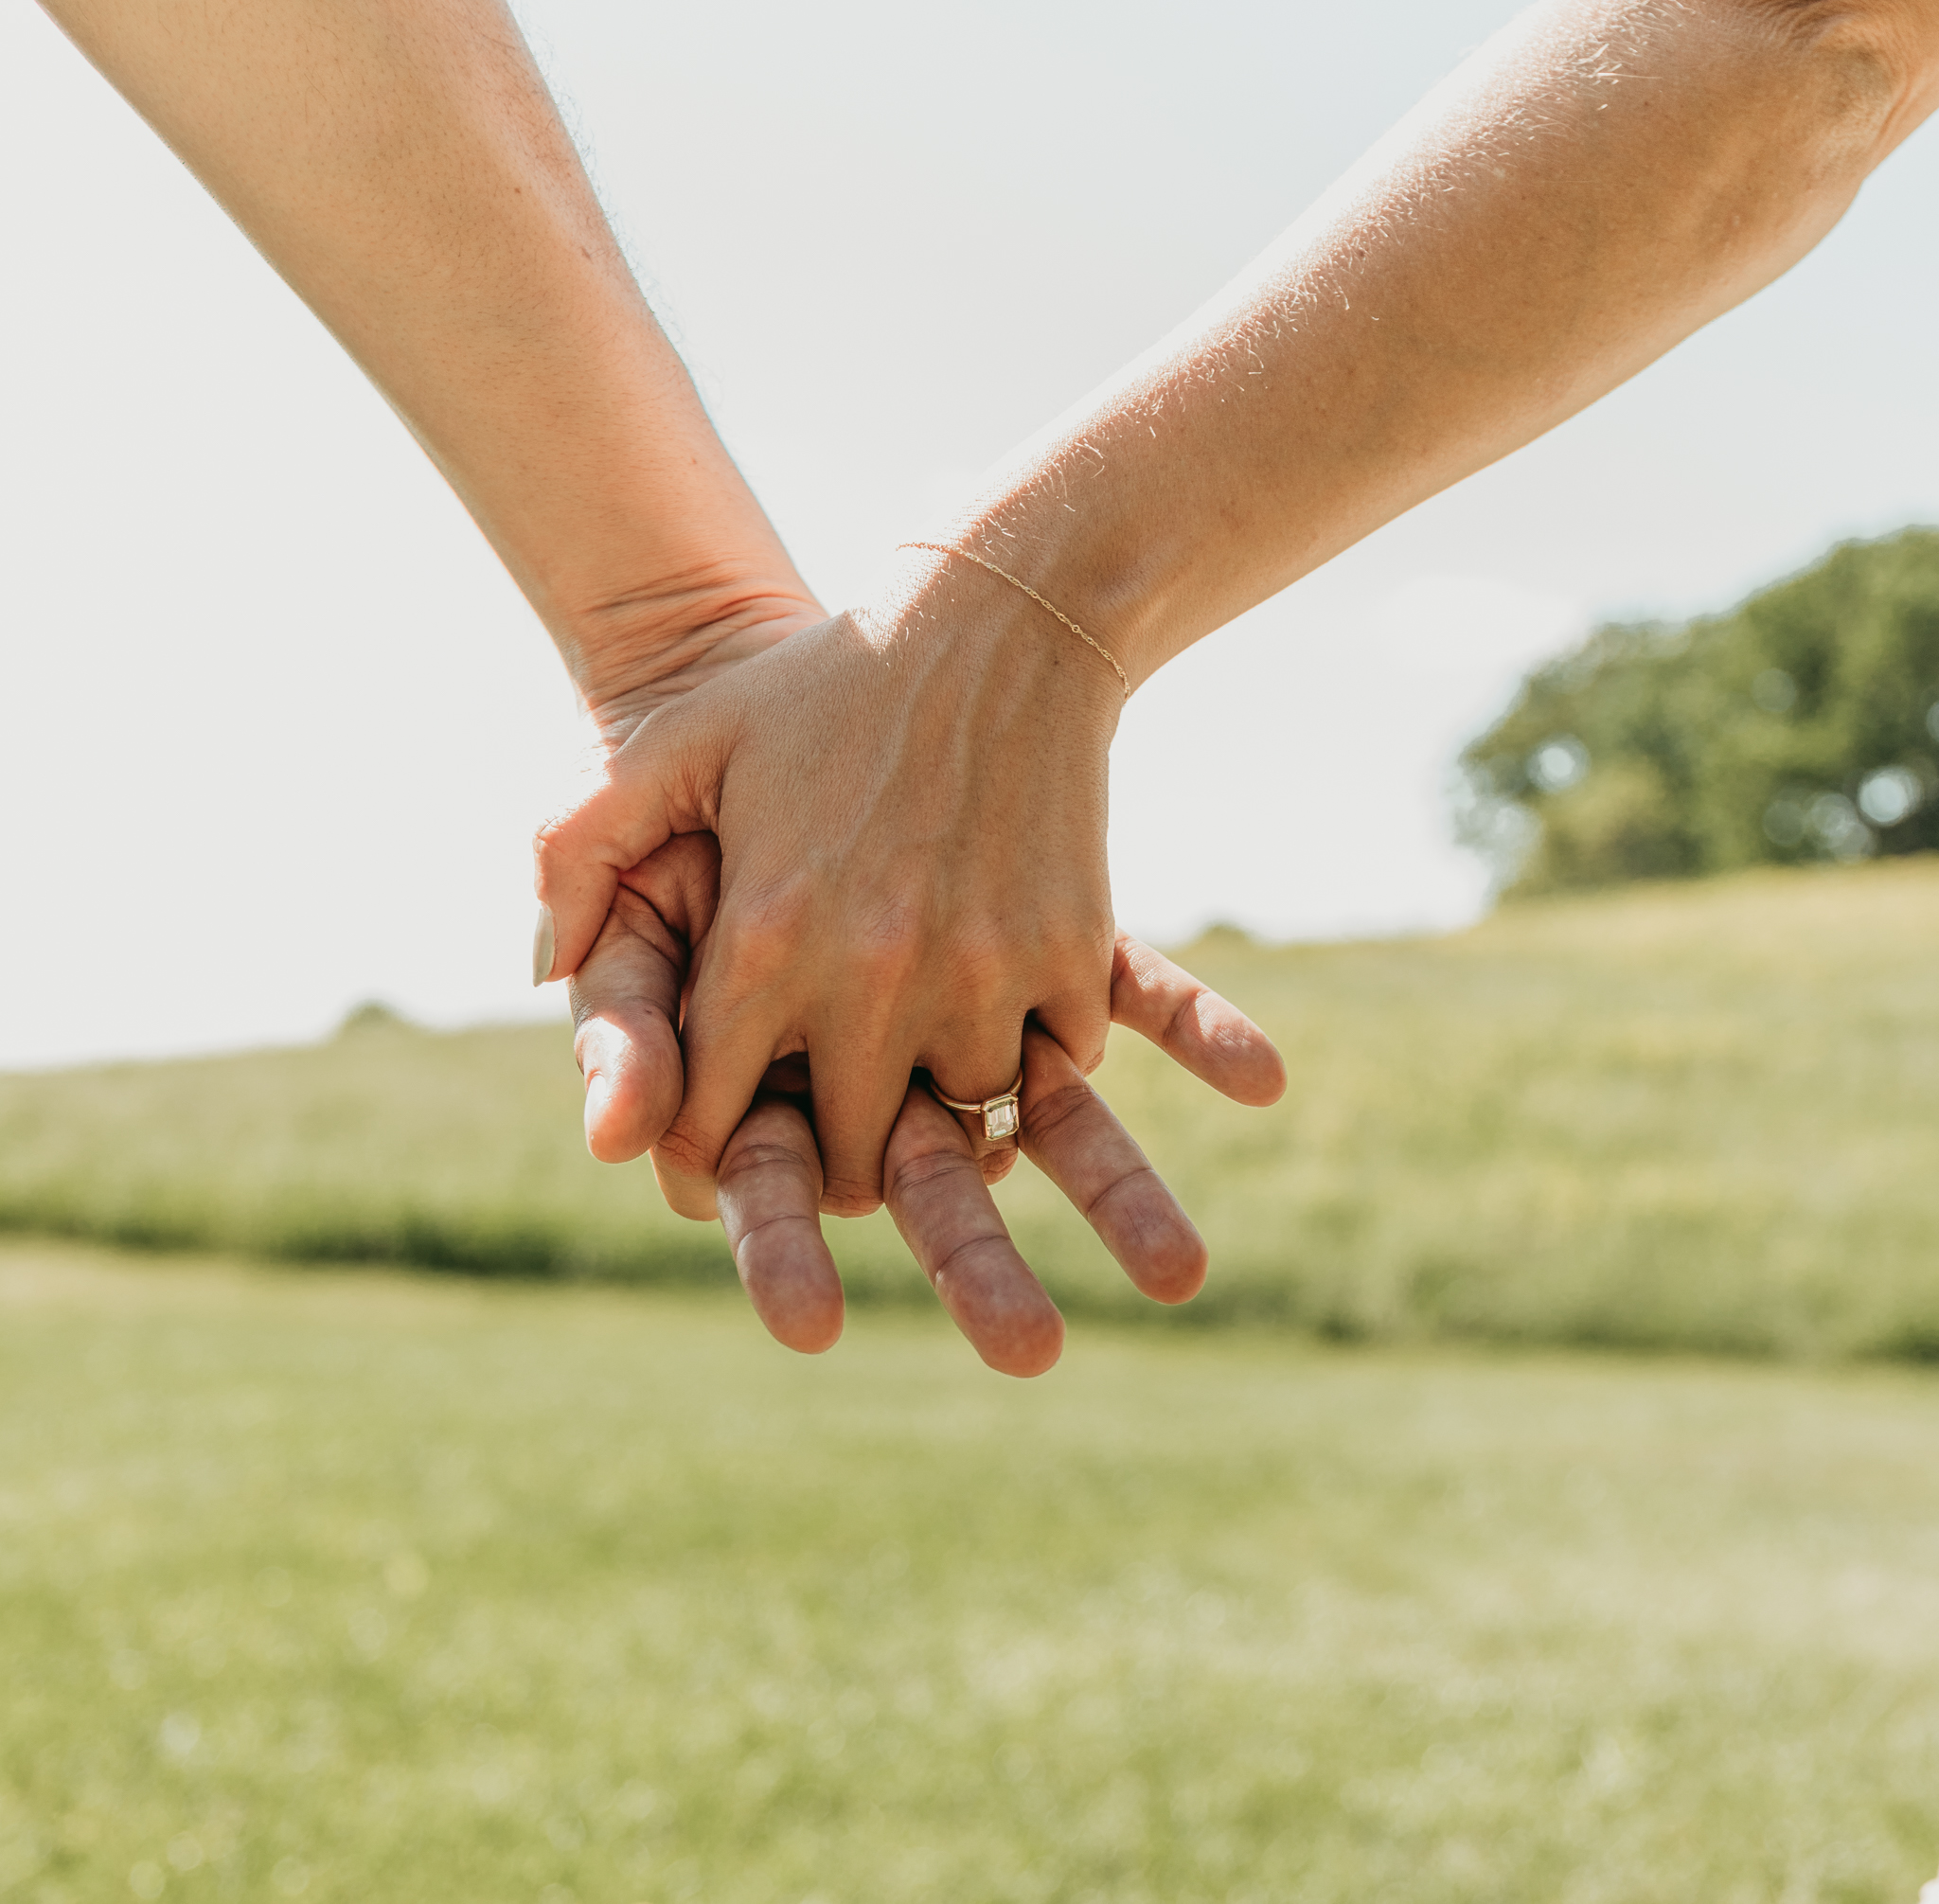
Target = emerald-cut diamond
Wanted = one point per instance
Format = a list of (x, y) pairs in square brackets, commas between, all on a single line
[(999, 1119)]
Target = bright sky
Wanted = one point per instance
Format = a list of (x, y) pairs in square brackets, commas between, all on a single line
[(274, 726)]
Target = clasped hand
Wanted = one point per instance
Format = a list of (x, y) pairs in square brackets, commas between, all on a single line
[(872, 854)]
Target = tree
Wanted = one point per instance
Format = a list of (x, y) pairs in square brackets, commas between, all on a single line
[(1802, 725)]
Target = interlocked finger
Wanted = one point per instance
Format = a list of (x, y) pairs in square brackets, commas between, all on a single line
[(859, 1082), (941, 1203), (1193, 1025), (769, 1190), (990, 1124), (728, 1048), (661, 782), (1070, 1134), (625, 1005)]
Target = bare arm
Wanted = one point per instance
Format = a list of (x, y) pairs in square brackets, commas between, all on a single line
[(1599, 182), (401, 165), (404, 167)]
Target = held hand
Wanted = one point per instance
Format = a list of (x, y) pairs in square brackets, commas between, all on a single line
[(910, 803), (627, 1000)]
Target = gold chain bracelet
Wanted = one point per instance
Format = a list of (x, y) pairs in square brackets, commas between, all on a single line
[(1123, 679)]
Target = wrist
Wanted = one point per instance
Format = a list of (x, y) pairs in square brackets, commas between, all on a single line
[(631, 654), (1091, 569), (988, 661)]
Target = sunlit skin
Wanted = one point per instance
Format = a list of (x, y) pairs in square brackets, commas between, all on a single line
[(626, 999), (909, 797), (401, 165), (1590, 188)]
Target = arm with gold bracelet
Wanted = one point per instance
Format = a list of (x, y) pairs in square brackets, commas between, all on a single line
[(910, 799)]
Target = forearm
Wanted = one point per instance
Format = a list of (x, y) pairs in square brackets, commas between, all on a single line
[(1595, 186), (401, 165)]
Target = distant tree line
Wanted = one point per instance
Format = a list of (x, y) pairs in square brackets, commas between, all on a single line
[(1802, 725)]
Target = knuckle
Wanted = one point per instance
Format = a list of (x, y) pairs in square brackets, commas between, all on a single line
[(632, 926), (551, 851), (1138, 972), (968, 1252), (756, 1157), (1070, 1034), (685, 1154), (1090, 939), (688, 1197), (888, 953), (569, 833), (1082, 1027), (758, 940), (1132, 1187), (922, 1169), (1182, 1029), (554, 830), (981, 970), (1046, 1116)]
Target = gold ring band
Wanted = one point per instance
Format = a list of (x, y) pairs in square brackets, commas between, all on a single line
[(1000, 1114)]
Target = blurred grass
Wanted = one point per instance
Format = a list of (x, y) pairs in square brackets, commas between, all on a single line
[(367, 1589), (1695, 1116)]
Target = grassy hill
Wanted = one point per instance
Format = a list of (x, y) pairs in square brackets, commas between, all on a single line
[(1693, 1115)]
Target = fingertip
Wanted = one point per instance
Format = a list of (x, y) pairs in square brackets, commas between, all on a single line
[(809, 1343), (791, 1282), (1004, 1311), (810, 1337), (1259, 1078), (1174, 1270), (1220, 1044), (632, 1089), (1026, 1346), (768, 1180), (1156, 1244), (943, 1208)]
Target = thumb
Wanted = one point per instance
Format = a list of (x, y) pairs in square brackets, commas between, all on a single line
[(665, 780), (1193, 1025), (625, 1008)]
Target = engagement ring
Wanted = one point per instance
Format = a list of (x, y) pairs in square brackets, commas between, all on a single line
[(1000, 1114)]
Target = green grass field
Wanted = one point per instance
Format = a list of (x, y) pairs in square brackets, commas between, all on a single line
[(1696, 1116), (353, 1585)]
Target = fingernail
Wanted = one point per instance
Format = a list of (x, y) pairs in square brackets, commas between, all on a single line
[(541, 947)]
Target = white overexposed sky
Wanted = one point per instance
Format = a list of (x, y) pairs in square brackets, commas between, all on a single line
[(274, 727)]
